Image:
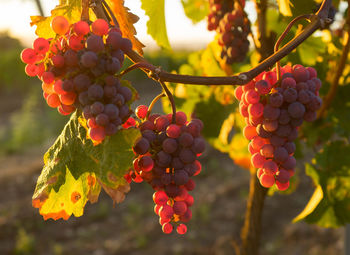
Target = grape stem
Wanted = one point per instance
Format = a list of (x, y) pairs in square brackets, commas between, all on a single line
[(283, 35), (141, 65), (171, 99), (154, 101), (340, 68)]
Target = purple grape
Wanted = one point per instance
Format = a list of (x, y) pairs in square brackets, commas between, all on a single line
[(95, 92), (198, 145), (176, 163), (280, 154), (283, 130), (270, 125), (89, 59), (284, 117), (169, 145), (290, 95), (180, 177), (163, 159), (124, 112), (276, 99), (126, 92), (102, 119), (97, 108), (186, 139), (71, 58), (165, 178), (114, 40), (296, 110), (113, 66), (187, 156), (290, 147), (111, 111), (111, 129), (81, 82), (95, 43), (110, 91), (84, 98), (142, 146), (271, 113)]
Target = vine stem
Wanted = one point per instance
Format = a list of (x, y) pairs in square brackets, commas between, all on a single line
[(171, 99), (154, 101), (340, 69), (250, 234), (320, 19), (85, 10), (283, 35)]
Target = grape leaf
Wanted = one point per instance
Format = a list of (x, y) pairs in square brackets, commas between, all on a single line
[(126, 20), (196, 10), (71, 10), (156, 26), (331, 174), (284, 7), (75, 168)]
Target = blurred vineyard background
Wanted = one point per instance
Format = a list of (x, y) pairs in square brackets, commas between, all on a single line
[(27, 129)]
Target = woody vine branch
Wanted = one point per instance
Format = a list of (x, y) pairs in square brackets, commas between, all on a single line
[(318, 20)]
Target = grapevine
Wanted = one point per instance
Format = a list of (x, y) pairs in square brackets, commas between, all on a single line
[(80, 70)]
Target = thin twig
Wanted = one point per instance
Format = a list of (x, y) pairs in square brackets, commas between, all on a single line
[(283, 35), (141, 65), (155, 100), (171, 99)]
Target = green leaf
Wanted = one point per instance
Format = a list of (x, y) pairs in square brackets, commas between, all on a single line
[(196, 10), (284, 7), (331, 174), (156, 26), (310, 49), (206, 109), (73, 163)]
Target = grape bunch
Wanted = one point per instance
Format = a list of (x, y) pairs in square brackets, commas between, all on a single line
[(166, 158), (273, 112), (229, 21), (77, 70)]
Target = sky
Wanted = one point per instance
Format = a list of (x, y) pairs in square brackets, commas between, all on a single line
[(15, 18)]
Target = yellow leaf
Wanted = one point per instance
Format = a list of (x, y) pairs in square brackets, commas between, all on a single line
[(71, 11), (284, 7), (313, 202), (126, 20)]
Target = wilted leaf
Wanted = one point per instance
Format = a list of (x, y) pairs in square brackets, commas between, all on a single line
[(284, 7)]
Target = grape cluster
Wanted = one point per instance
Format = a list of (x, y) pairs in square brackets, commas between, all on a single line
[(77, 70), (229, 21), (273, 112), (166, 158)]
